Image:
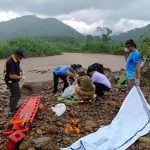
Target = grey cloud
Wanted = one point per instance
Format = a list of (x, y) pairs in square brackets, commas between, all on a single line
[(88, 11), (56, 7)]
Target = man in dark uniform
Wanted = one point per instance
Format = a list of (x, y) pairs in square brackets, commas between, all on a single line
[(12, 76)]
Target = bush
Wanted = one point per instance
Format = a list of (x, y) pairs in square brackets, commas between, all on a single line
[(31, 46)]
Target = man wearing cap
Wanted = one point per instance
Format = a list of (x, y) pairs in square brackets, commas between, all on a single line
[(133, 64), (12, 76)]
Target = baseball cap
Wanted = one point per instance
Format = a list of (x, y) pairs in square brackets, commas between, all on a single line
[(20, 53), (130, 42)]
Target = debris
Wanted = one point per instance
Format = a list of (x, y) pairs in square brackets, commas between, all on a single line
[(59, 109)]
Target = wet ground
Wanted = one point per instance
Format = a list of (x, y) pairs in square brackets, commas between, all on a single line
[(40, 68), (48, 130)]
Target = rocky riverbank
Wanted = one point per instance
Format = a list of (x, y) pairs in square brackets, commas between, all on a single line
[(48, 130)]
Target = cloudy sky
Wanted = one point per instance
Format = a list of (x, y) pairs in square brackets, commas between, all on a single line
[(83, 15)]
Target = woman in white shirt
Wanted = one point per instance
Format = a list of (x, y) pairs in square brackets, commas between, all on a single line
[(101, 82)]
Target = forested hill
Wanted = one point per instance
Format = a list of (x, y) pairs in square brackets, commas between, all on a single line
[(29, 26), (135, 34)]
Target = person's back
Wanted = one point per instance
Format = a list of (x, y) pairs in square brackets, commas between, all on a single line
[(100, 78), (11, 66), (61, 70)]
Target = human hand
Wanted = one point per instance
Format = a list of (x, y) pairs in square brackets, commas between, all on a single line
[(22, 73), (23, 78), (137, 82)]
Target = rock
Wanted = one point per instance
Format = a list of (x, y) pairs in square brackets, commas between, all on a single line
[(113, 103), (2, 122), (88, 129), (44, 71), (39, 131), (59, 124), (41, 142), (53, 130), (31, 148), (42, 128), (24, 145), (91, 124), (144, 140), (65, 140), (1, 109)]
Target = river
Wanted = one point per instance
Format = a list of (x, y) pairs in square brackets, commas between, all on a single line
[(32, 65)]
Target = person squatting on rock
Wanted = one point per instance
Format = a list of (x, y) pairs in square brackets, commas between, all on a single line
[(63, 73), (12, 75), (100, 81), (133, 64), (85, 89)]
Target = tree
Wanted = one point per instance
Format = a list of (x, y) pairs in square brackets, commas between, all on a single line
[(72, 40), (105, 33), (89, 38), (145, 50)]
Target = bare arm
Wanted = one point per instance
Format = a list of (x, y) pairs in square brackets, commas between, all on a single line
[(15, 77), (70, 74), (68, 79), (137, 71)]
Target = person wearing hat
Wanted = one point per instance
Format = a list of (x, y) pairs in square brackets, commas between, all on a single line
[(133, 64), (12, 76), (63, 73)]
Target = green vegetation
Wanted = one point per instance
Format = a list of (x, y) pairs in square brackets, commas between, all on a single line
[(43, 37), (32, 47), (144, 47), (44, 47)]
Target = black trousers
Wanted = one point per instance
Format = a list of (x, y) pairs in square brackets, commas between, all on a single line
[(56, 78), (15, 95), (100, 88)]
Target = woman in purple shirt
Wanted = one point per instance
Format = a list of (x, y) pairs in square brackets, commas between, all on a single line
[(101, 82)]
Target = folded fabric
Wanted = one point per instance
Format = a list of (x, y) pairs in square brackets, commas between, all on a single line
[(131, 122)]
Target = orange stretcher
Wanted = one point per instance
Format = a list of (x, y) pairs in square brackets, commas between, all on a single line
[(24, 116)]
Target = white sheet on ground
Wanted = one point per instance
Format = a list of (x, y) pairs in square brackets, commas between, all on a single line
[(131, 122)]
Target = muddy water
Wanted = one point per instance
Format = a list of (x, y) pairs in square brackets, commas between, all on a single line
[(33, 66)]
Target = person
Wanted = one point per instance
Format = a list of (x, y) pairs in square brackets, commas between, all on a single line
[(132, 64), (85, 89), (63, 73), (79, 69), (77, 72), (100, 81), (12, 76), (97, 67)]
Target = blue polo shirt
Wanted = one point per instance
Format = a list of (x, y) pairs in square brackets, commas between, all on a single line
[(133, 60), (62, 71)]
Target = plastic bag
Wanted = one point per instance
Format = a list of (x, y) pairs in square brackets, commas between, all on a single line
[(59, 109), (69, 91)]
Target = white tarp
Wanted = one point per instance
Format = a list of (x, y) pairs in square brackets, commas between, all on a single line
[(131, 122)]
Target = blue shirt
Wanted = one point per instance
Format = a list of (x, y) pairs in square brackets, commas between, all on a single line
[(61, 70), (133, 60)]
